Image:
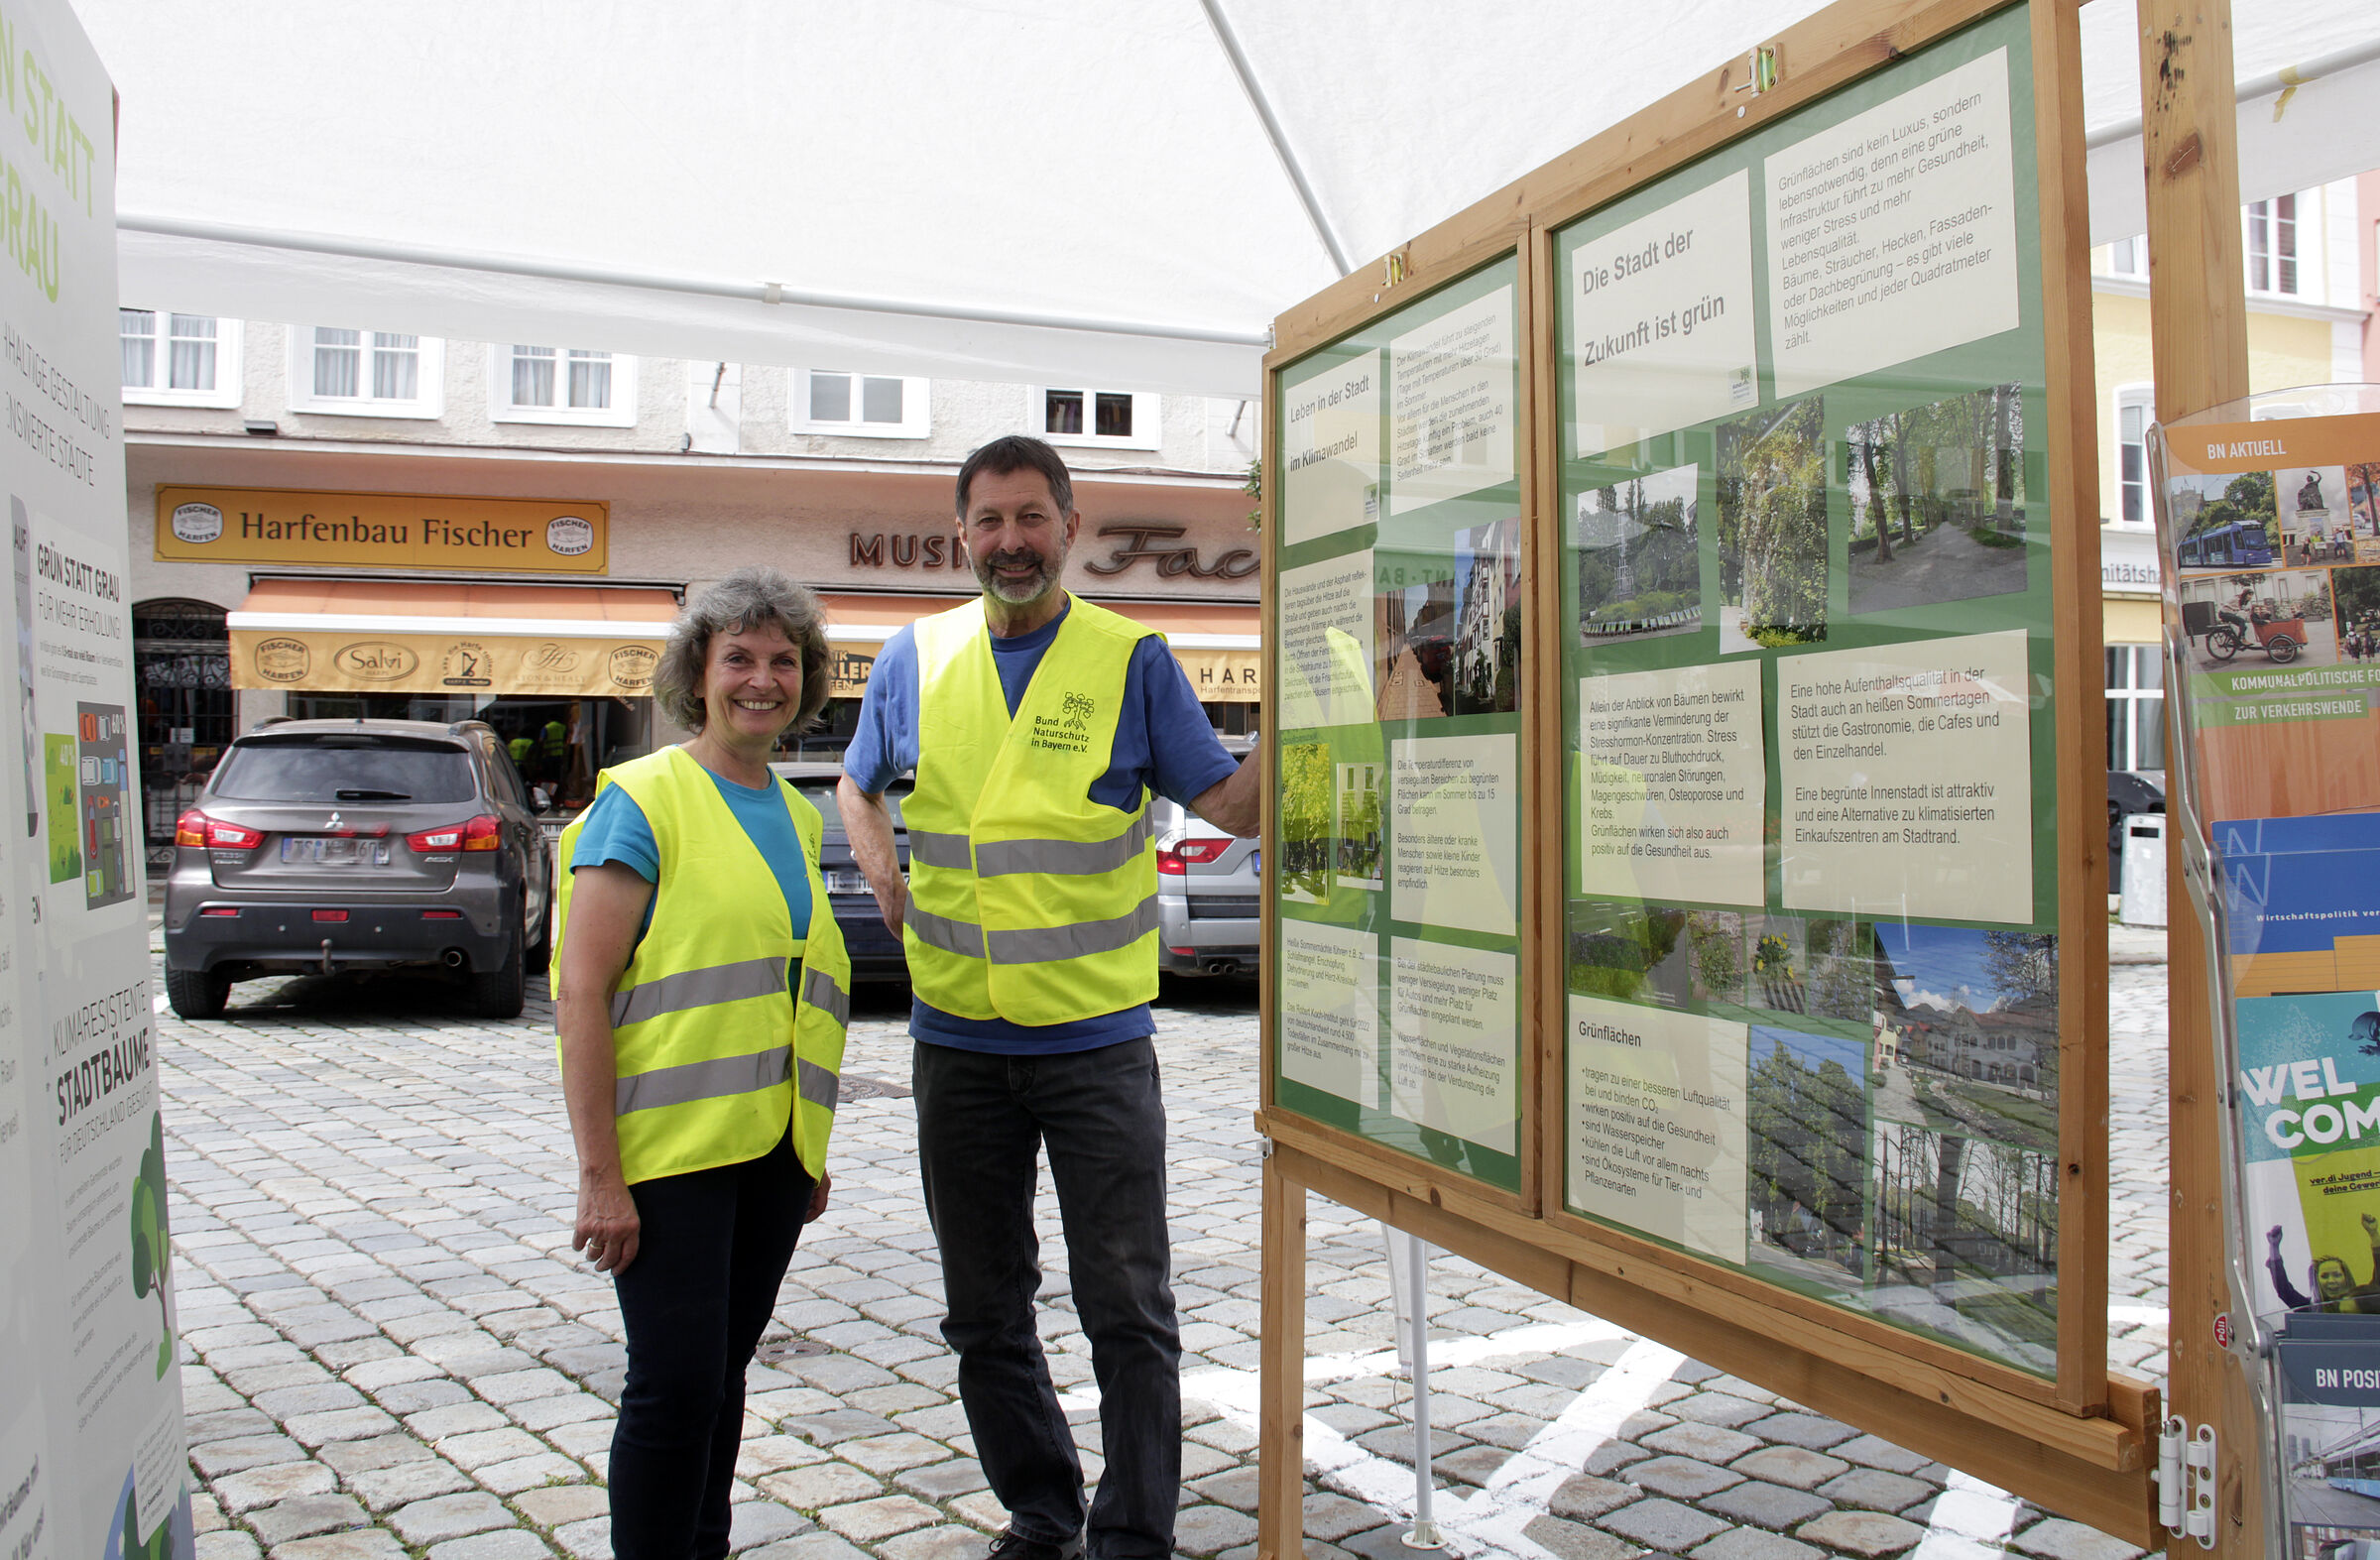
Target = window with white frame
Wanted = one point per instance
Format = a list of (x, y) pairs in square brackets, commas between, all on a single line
[(1069, 416), (2134, 412), (528, 384), (2129, 257), (366, 373), (188, 360), (2273, 259), (870, 406), (2135, 707)]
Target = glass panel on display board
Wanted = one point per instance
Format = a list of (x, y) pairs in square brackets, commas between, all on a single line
[(1397, 622), (2268, 514), (1812, 954)]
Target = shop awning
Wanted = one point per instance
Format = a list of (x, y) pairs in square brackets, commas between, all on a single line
[(341, 636), (1215, 641)]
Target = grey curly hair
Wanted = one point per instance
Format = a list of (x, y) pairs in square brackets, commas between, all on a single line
[(753, 597)]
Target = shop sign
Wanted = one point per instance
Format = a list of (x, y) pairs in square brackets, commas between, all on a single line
[(2128, 564), (314, 663), (1220, 677), (1128, 545), (390, 531)]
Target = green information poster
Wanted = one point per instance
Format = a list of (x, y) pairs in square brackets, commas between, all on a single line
[(1812, 951), (1398, 623)]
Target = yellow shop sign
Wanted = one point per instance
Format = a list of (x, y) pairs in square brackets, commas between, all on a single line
[(392, 530), (317, 662)]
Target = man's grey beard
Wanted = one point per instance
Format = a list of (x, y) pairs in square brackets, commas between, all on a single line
[(1016, 595)]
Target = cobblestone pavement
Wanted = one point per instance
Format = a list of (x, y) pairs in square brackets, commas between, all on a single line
[(389, 1349)]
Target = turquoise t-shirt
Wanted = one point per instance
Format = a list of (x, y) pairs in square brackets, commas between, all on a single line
[(615, 829)]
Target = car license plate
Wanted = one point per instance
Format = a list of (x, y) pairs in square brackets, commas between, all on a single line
[(1255, 861), (846, 882), (332, 850)]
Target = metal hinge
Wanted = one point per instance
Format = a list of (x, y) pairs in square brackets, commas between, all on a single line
[(2185, 1479)]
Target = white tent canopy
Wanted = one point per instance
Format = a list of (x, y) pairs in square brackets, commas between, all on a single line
[(1113, 192)]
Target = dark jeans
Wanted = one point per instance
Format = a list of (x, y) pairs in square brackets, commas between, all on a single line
[(710, 1254), (1101, 1117)]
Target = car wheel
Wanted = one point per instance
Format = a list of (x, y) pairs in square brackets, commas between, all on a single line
[(500, 993), (196, 994)]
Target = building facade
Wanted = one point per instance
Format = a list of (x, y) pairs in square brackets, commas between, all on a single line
[(334, 521), (2309, 313)]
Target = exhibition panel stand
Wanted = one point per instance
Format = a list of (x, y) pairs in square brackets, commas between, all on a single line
[(92, 1453), (1685, 719)]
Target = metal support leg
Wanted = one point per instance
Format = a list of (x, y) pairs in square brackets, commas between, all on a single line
[(1412, 1257)]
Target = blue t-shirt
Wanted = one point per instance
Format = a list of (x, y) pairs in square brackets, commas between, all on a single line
[(614, 828), (1165, 744)]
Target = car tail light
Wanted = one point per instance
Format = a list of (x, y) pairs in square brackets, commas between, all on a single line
[(441, 915), (483, 833), (220, 910), (330, 916), (1170, 862), (196, 828), (1186, 953), (1200, 851)]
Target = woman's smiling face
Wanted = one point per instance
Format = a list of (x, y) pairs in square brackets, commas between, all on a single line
[(751, 685)]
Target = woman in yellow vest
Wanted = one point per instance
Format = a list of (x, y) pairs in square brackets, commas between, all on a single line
[(701, 990)]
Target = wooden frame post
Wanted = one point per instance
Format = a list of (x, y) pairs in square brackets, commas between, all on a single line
[(2198, 336), (1281, 1367)]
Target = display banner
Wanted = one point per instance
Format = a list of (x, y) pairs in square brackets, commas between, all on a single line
[(1398, 617), (2268, 516), (390, 530), (318, 661), (1811, 903), (91, 1457)]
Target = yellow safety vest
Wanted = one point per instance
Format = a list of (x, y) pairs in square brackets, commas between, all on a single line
[(1027, 900), (714, 1050)]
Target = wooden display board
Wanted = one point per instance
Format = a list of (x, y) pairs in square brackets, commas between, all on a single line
[(1684, 689)]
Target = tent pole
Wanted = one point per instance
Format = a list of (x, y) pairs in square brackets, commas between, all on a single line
[(1273, 132)]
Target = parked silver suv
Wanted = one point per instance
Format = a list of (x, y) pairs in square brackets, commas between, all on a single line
[(1208, 895), (321, 845)]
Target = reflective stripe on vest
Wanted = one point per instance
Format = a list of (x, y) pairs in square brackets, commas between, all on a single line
[(1036, 944), (1028, 900), (697, 989), (951, 937), (1053, 858), (940, 850), (819, 1085), (819, 990), (718, 1056), (708, 1080), (1064, 858)]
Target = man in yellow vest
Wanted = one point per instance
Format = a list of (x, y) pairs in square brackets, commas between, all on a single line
[(1038, 725)]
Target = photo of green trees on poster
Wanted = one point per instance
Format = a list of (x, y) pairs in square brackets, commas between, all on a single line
[(1305, 822), (1806, 1148), (1772, 528), (1937, 501), (1640, 567)]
